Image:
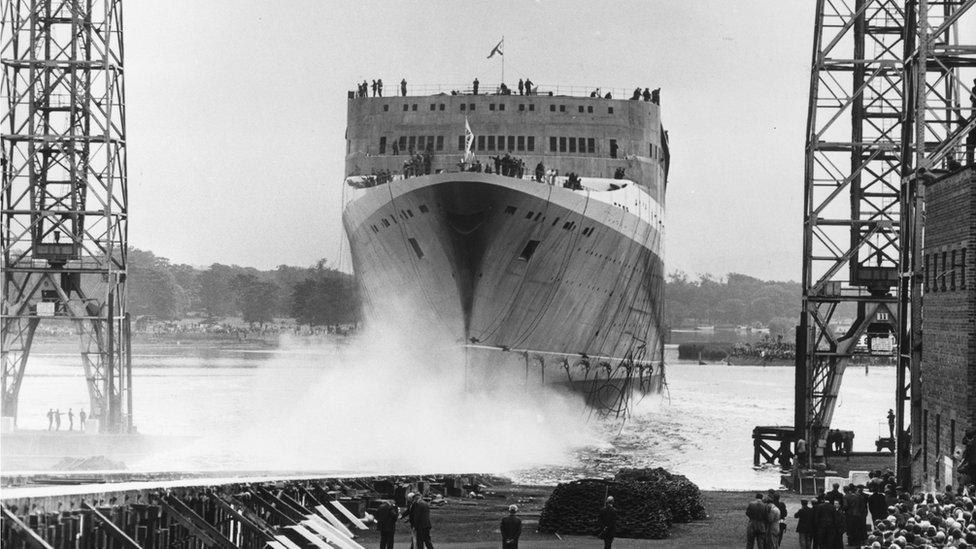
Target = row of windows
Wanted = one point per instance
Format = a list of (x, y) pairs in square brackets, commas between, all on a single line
[(537, 216), (572, 145), (943, 270), (404, 214), (471, 107)]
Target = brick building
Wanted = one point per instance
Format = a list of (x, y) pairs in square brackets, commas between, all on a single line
[(948, 367)]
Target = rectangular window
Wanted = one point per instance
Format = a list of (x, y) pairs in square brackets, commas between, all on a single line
[(572, 145), (531, 107), (581, 108), (440, 142), (491, 142), (386, 108), (412, 143), (962, 270), (521, 143), (403, 143), (471, 106), (531, 144), (562, 108), (413, 107), (464, 106), (945, 272), (589, 109), (441, 107), (554, 221), (952, 272), (927, 273), (552, 144), (609, 110), (528, 250), (562, 144), (460, 142), (521, 107), (385, 222), (613, 148), (481, 142), (406, 107), (582, 144), (510, 209), (501, 142), (552, 108), (529, 215), (590, 145), (511, 142), (382, 145), (501, 106), (416, 248), (422, 143), (433, 106), (491, 106)]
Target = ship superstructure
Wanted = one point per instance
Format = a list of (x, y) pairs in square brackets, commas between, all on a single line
[(557, 258)]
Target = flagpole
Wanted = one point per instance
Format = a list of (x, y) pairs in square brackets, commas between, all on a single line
[(503, 59)]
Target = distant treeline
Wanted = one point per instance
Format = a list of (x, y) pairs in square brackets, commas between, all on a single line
[(316, 295), (320, 295), (737, 300)]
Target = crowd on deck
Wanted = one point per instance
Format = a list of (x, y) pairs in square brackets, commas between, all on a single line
[(525, 87), (766, 349), (874, 516)]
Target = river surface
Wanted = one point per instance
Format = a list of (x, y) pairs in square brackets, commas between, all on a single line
[(305, 408)]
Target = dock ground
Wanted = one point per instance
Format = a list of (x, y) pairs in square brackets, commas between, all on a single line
[(474, 524)]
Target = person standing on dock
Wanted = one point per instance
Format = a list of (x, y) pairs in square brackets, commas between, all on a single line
[(891, 423), (407, 514), (82, 416), (475, 86), (756, 532), (421, 522), (801, 453), (511, 528), (57, 419), (608, 523), (71, 419), (804, 524), (403, 87), (386, 517), (50, 419)]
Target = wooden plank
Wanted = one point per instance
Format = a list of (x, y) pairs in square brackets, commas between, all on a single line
[(273, 544), (112, 529), (332, 535), (24, 532), (287, 543), (348, 514), (198, 523), (305, 533), (333, 520)]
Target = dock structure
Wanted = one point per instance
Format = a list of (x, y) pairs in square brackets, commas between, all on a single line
[(223, 513), (888, 109)]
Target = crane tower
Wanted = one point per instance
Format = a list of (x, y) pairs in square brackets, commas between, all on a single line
[(64, 211)]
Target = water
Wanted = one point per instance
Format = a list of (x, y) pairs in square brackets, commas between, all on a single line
[(302, 408)]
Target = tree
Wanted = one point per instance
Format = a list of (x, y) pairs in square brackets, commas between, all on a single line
[(217, 297), (255, 298)]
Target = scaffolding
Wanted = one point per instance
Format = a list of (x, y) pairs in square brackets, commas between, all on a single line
[(885, 108), (64, 211)]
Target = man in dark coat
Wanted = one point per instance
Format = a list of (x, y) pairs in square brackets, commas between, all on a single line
[(608, 523), (823, 523), (835, 494), (386, 517), (756, 531), (420, 518), (856, 512), (511, 529), (804, 524), (878, 504)]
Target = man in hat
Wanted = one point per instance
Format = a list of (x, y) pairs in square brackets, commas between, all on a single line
[(804, 524), (386, 517), (511, 528)]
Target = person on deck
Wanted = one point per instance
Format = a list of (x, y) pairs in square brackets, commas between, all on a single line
[(647, 94), (82, 416), (379, 87), (403, 87), (421, 522), (804, 524), (608, 523), (71, 419), (386, 517), (50, 419), (756, 531), (511, 528), (521, 87), (474, 86), (57, 419)]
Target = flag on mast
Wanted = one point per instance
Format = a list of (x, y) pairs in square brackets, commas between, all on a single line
[(497, 49), (468, 140)]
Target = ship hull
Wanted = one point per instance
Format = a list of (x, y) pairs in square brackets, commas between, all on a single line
[(500, 263)]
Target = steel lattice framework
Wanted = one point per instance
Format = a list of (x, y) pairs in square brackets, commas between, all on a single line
[(885, 101), (64, 211)]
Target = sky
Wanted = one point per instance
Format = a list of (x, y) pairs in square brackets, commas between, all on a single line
[(236, 113)]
